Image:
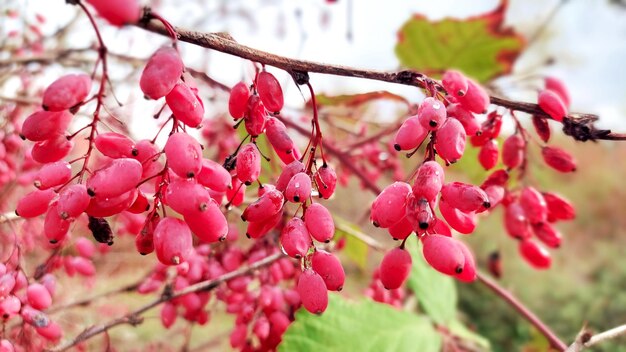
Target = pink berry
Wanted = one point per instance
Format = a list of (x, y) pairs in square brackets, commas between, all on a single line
[(395, 268), (313, 292), (552, 104), (329, 268), (443, 254), (319, 222), (66, 92), (270, 92), (558, 159), (184, 154), (535, 254)]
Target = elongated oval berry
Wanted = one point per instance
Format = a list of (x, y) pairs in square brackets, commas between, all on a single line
[(214, 176), (443, 254), (462, 222), (466, 118), (276, 133), (34, 203), (270, 92), (515, 221), (101, 207), (547, 234), (73, 200), (115, 145), (119, 177), (7, 283), (6, 346), (148, 155), (299, 188), (319, 222), (85, 247), (140, 205), (495, 194), (51, 150), (559, 208), (257, 229), (51, 332), (238, 100), (450, 143), (558, 159), (248, 164), (312, 291), (395, 268), (476, 99), (173, 242), (184, 154), (295, 239), (329, 268), (535, 254), (326, 181), (410, 134), (117, 12), (464, 197), (185, 104), (388, 207), (268, 205), (44, 125), (488, 155), (401, 230), (288, 172), (558, 87), (168, 315), (419, 213), (256, 118), (66, 92), (55, 228), (542, 128), (38, 296), (469, 269), (513, 151), (210, 224), (535, 207), (428, 180), (161, 73), (455, 83), (53, 174), (431, 114), (186, 196), (552, 104)]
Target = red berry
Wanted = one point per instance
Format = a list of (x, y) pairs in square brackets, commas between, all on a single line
[(410, 134), (488, 155), (45, 125), (558, 159), (34, 203), (248, 164), (541, 127), (557, 86), (513, 151), (185, 104), (184, 154), (312, 291), (431, 114), (552, 104), (395, 268), (535, 254), (66, 92), (238, 100), (295, 239), (464, 197), (115, 145), (455, 83), (326, 181), (559, 208), (462, 222), (535, 207), (450, 142), (119, 177), (172, 241), (299, 188), (117, 12), (443, 254), (428, 180), (388, 207), (329, 268), (319, 222), (270, 92), (476, 99), (161, 73)]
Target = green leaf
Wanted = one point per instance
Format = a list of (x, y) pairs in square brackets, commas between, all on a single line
[(360, 326), (461, 331), (355, 248), (435, 292), (479, 46)]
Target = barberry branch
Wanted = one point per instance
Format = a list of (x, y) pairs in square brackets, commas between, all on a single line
[(578, 126), (135, 317), (586, 339)]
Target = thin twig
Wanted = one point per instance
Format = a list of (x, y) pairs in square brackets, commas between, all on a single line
[(585, 339), (555, 342), (135, 318)]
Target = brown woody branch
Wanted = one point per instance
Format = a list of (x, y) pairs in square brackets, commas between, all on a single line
[(578, 127), (586, 339), (135, 317)]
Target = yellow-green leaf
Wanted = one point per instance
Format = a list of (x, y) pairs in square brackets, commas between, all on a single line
[(479, 46)]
